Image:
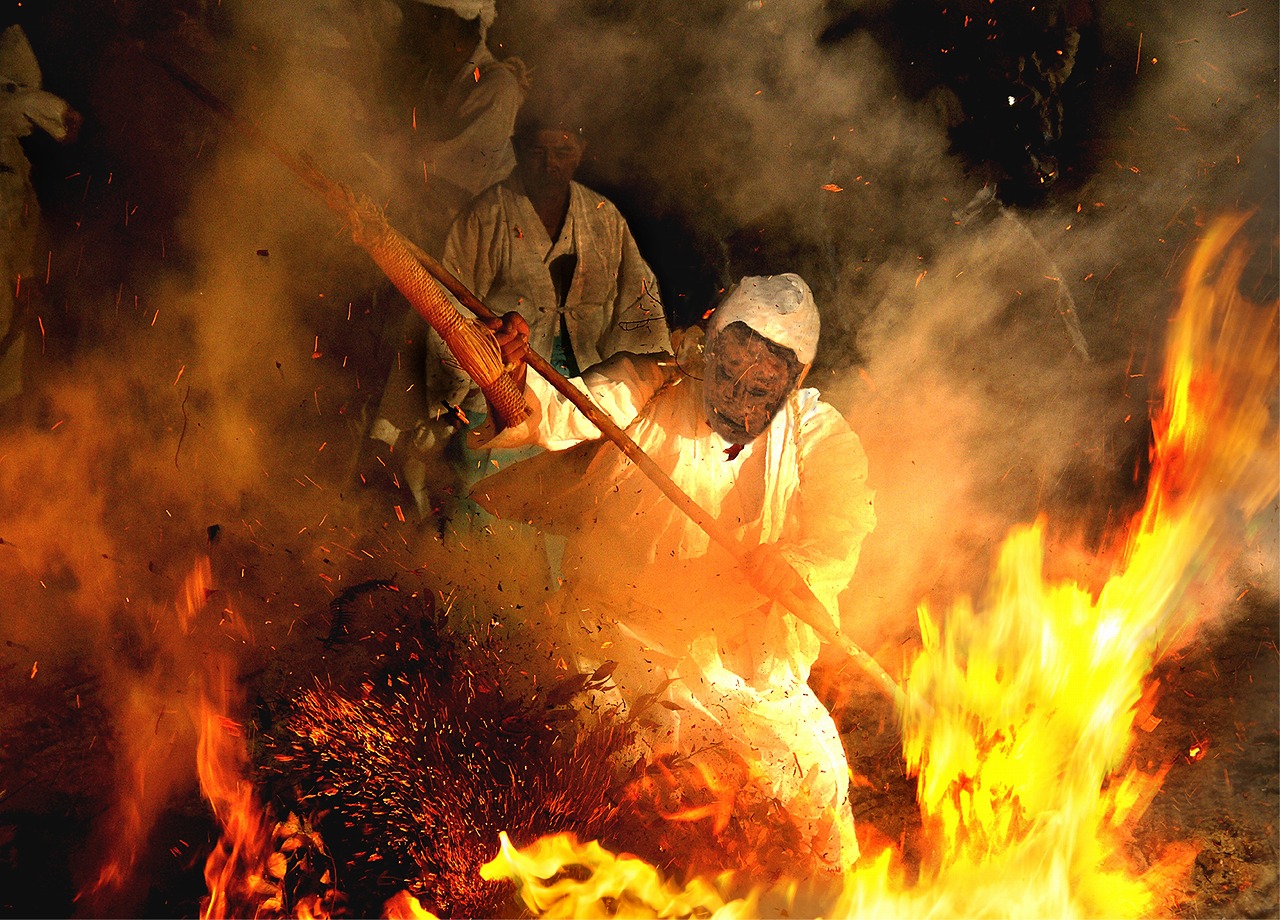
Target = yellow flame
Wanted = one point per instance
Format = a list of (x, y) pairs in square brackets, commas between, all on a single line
[(404, 906), (560, 877), (1034, 697), (1025, 707)]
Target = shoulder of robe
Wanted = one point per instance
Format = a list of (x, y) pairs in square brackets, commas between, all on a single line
[(816, 417), (656, 367), (595, 203), (490, 202), (509, 69)]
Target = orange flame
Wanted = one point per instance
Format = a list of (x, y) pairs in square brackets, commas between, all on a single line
[(148, 728), (231, 872)]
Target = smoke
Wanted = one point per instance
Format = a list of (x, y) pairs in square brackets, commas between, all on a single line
[(221, 340), (994, 360)]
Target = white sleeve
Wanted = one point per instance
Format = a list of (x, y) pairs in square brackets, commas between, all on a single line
[(619, 387)]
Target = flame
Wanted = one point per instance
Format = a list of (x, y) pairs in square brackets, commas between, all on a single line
[(246, 874), (231, 872), (148, 729), (404, 906), (1035, 696), (246, 871), (629, 886), (195, 591), (1022, 711)]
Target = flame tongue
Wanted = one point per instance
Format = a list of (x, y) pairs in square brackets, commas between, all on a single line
[(232, 870), (1033, 698), (1035, 695), (1214, 434), (1034, 701)]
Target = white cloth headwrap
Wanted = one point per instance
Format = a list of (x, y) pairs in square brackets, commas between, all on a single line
[(486, 10), (779, 307)]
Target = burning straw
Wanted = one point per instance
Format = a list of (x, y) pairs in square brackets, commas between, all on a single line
[(403, 779), (412, 773)]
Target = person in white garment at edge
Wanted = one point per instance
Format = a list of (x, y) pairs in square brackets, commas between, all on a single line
[(450, 106)]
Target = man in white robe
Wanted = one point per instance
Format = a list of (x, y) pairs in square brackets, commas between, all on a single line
[(560, 255), (24, 106), (646, 588)]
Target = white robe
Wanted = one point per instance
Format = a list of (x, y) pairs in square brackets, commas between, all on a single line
[(23, 107), (646, 588), (471, 147), (500, 249), (448, 150)]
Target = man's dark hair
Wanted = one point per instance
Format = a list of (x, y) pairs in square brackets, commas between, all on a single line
[(530, 122)]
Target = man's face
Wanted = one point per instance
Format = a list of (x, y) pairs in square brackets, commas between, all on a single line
[(748, 378), (549, 159)]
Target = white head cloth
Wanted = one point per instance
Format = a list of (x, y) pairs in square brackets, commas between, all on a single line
[(779, 307), (486, 10)]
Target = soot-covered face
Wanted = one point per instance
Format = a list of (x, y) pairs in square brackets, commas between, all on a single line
[(748, 378)]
